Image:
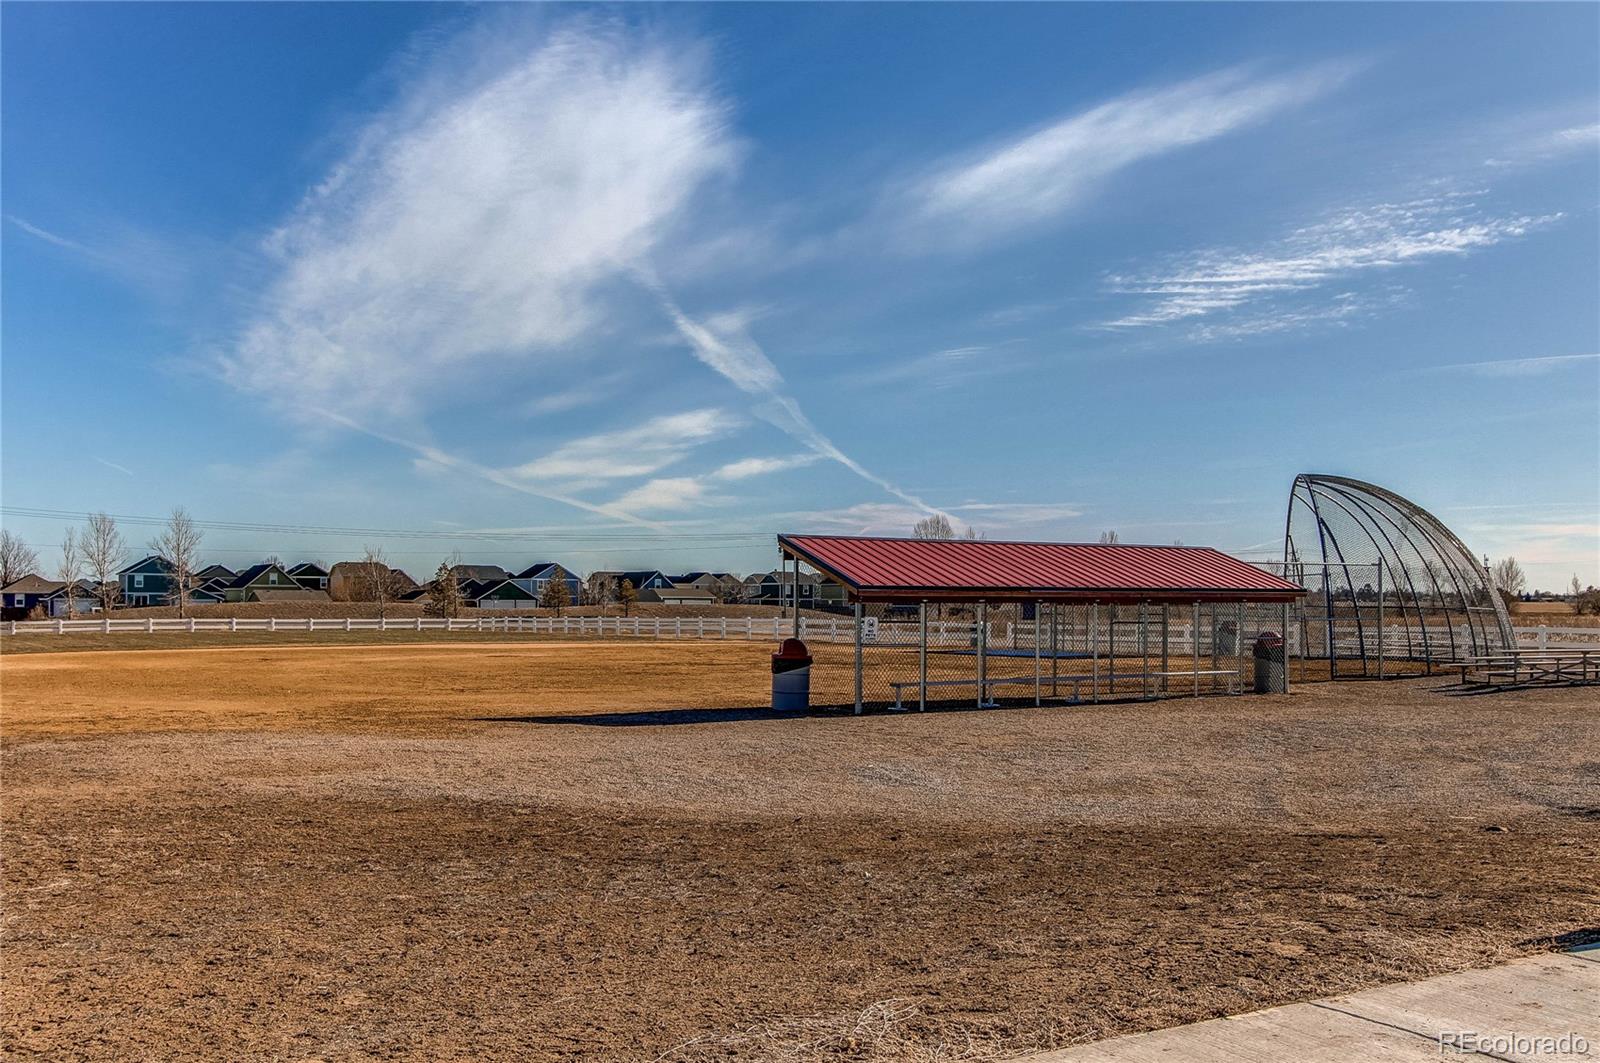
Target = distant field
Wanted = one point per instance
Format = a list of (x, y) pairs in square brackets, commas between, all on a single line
[(554, 850), (1540, 611)]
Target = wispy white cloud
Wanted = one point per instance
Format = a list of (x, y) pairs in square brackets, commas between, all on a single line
[(741, 361), (745, 468), (1280, 276), (940, 370), (666, 494), (1019, 512), (49, 237), (637, 451), (888, 518), (481, 221), (1039, 176), (1549, 146), (131, 255), (673, 493), (1514, 367), (591, 392), (441, 459), (113, 465)]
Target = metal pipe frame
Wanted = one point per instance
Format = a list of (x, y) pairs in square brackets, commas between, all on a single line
[(922, 657)]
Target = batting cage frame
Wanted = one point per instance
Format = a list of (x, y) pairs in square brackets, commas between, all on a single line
[(979, 623), (1391, 590)]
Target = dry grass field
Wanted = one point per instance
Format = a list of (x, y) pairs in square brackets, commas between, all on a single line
[(601, 850)]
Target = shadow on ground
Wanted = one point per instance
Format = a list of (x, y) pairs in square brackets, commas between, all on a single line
[(652, 718), (661, 717)]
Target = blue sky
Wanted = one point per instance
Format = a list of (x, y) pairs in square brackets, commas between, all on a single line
[(643, 285)]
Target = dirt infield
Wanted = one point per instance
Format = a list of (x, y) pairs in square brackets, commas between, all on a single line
[(548, 850)]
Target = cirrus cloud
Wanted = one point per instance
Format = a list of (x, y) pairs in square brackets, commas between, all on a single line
[(481, 222)]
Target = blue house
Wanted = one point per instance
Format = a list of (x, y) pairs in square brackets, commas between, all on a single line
[(535, 577), (21, 596), (147, 581)]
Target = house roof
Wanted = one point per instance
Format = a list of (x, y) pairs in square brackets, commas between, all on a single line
[(780, 576), (211, 572), (639, 578), (149, 561), (32, 583), (534, 571), (255, 572), (82, 589), (879, 569), (477, 590), (308, 568), (479, 572)]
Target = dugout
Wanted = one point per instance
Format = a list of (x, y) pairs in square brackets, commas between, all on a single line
[(984, 623)]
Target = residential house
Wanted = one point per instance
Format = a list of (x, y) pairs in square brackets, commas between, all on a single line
[(347, 582), (497, 594), (721, 586), (211, 583), (479, 573), (645, 583), (310, 575), (778, 588), (537, 576), (19, 597), (684, 594), (80, 602), (267, 576), (147, 581)]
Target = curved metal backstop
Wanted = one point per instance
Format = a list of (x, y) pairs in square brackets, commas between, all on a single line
[(1392, 590)]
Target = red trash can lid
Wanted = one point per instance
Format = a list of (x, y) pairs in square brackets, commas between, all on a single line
[(793, 649)]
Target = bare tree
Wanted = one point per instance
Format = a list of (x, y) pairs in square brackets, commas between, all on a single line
[(17, 558), (179, 544), (936, 526), (626, 596), (1508, 578), (555, 594), (104, 553), (1574, 588), (375, 580), (70, 571), (1109, 537), (444, 594)]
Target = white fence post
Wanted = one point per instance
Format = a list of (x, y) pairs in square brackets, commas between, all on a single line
[(1544, 637)]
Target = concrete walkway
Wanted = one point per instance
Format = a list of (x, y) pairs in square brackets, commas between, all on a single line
[(1540, 1008)]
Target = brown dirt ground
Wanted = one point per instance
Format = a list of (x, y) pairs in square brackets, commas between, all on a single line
[(544, 850)]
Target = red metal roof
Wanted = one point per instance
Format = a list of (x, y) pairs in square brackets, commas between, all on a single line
[(877, 569)]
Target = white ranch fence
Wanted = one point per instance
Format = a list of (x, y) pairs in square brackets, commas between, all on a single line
[(816, 629)]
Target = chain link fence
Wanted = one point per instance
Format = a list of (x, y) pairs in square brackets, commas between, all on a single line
[(946, 654)]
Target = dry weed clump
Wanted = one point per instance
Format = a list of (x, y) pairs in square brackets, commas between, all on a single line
[(894, 1029)]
